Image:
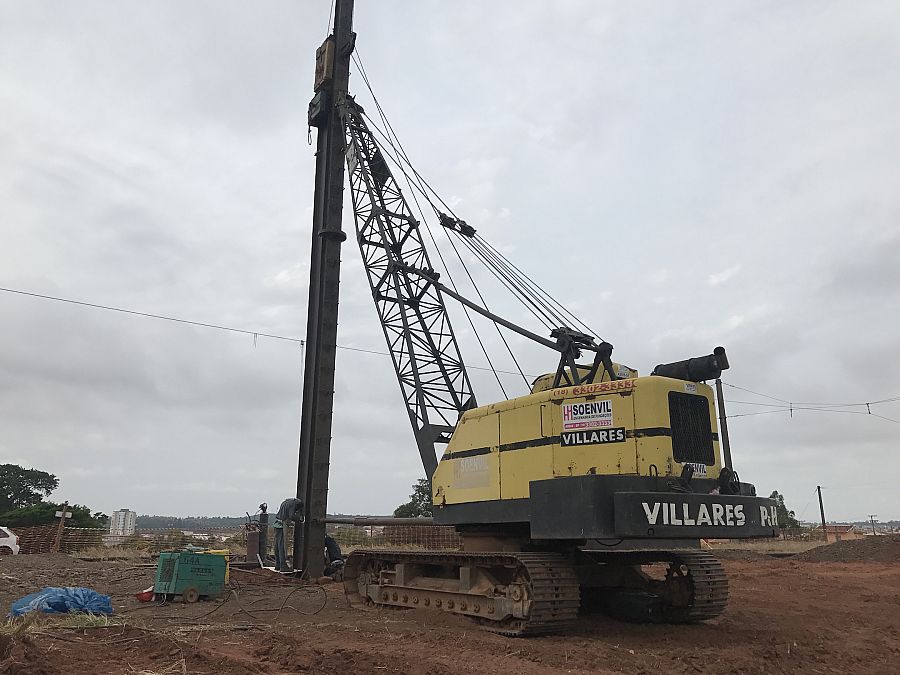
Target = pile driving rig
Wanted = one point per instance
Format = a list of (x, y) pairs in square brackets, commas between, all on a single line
[(595, 488)]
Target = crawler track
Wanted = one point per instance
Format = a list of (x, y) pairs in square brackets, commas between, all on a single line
[(530, 593), (555, 593), (695, 587), (534, 593), (710, 588)]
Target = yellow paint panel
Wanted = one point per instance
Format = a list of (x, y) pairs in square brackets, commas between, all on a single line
[(655, 456), (472, 478), (528, 423), (519, 467), (511, 443), (600, 458)]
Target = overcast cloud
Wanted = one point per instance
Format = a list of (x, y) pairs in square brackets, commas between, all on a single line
[(681, 174)]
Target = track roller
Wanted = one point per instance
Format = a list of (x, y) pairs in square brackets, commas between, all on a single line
[(513, 594)]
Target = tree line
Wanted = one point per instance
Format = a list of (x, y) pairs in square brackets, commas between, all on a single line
[(190, 522), (23, 502)]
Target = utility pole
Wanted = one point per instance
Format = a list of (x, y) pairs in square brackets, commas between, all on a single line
[(723, 424), (325, 113), (822, 511), (62, 515), (872, 520)]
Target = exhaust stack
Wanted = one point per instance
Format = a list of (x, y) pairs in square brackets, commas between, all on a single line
[(697, 369)]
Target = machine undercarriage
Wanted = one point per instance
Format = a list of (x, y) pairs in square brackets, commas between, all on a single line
[(540, 591)]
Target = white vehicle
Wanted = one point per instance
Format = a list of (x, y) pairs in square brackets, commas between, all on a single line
[(9, 542)]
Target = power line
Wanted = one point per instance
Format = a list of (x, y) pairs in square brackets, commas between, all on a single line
[(800, 517), (792, 409), (253, 333), (756, 393), (764, 412), (830, 408), (811, 406), (765, 405), (847, 412)]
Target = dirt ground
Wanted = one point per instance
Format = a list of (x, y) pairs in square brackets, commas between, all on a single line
[(785, 616)]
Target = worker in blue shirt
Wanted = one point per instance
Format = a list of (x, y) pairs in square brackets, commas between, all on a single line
[(291, 510)]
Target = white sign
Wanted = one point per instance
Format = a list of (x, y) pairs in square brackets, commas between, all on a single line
[(668, 513), (616, 435), (471, 472), (768, 516), (352, 159), (699, 469), (589, 415), (59, 514)]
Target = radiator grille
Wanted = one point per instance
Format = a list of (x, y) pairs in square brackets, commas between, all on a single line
[(168, 570), (691, 432)]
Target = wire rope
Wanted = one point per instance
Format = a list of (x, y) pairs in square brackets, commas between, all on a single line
[(397, 157), (388, 153), (424, 187)]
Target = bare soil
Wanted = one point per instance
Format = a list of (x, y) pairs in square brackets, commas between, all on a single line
[(884, 548), (786, 616)]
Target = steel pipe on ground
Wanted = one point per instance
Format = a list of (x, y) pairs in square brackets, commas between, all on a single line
[(363, 521)]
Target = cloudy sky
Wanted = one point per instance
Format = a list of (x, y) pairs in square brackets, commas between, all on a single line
[(681, 174)]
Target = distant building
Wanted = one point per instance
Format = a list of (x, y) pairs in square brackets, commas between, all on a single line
[(835, 533), (122, 522)]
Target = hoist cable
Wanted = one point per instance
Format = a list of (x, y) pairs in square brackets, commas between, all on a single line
[(400, 153), (556, 312), (485, 305), (423, 184), (447, 269), (532, 307), (445, 266), (358, 59), (537, 286), (449, 239), (427, 226), (516, 281), (525, 290), (553, 318), (562, 314)]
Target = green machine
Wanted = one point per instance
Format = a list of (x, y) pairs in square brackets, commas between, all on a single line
[(190, 575)]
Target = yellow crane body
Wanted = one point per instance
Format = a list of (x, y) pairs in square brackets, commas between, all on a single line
[(613, 428)]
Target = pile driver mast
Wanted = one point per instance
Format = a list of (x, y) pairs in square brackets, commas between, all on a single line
[(332, 78)]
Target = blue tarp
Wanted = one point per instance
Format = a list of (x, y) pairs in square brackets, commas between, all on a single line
[(53, 600)]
